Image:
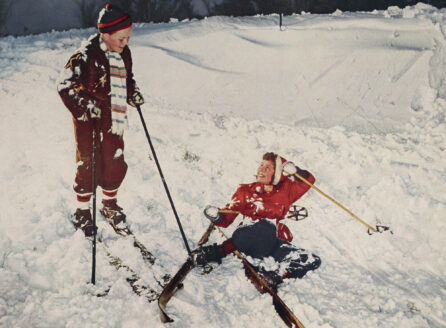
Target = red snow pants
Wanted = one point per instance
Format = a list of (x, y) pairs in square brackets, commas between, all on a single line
[(110, 165)]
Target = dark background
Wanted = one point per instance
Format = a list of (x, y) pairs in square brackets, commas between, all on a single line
[(24, 17), (162, 10)]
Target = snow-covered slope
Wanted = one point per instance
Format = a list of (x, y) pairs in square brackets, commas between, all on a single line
[(358, 99)]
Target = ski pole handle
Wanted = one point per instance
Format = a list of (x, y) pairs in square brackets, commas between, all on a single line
[(297, 175)]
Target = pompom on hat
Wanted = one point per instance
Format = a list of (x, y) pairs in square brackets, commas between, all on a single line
[(112, 19)]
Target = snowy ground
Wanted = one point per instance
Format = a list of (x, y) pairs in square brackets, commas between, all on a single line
[(358, 99)]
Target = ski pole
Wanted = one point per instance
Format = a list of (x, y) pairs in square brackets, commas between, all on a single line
[(164, 181), (228, 211), (297, 175), (93, 182), (296, 215)]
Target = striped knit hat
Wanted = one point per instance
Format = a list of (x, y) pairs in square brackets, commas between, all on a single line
[(112, 19)]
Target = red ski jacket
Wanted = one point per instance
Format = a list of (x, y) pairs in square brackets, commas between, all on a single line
[(256, 202)]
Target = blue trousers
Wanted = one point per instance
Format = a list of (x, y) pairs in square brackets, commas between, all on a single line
[(260, 240)]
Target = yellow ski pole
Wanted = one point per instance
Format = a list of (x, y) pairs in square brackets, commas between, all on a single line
[(228, 211), (298, 214), (297, 175)]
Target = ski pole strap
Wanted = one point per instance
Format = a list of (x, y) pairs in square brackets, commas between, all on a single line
[(334, 201)]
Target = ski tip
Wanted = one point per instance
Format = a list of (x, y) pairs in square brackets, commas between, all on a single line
[(163, 315)]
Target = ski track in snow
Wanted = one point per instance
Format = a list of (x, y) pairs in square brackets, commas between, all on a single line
[(358, 99)]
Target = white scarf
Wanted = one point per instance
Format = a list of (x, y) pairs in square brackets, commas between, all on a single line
[(118, 92)]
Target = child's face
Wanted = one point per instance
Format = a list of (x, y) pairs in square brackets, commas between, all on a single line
[(118, 40), (265, 172)]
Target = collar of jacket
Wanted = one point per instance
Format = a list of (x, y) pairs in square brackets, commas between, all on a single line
[(102, 44)]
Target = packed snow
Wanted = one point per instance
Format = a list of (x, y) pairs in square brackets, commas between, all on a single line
[(358, 99)]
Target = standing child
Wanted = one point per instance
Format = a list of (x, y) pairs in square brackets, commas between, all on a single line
[(96, 85)]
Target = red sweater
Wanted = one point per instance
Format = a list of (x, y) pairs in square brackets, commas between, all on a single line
[(252, 200)]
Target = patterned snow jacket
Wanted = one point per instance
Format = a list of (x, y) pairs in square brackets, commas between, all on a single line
[(85, 81), (253, 201)]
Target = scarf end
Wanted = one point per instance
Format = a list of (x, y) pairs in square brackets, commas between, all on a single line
[(118, 127)]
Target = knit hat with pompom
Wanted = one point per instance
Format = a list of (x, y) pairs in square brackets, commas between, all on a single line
[(112, 19)]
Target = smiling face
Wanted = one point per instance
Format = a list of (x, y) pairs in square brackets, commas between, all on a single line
[(265, 172), (118, 40)]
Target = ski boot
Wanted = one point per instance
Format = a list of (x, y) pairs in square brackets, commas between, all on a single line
[(82, 220), (299, 268), (114, 215), (212, 253), (272, 278)]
